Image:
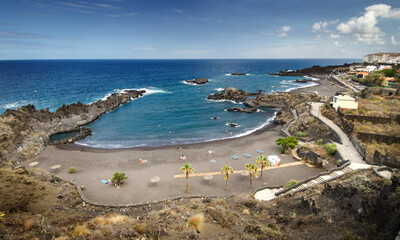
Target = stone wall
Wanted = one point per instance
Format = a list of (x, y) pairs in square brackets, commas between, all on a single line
[(369, 137), (388, 160), (373, 119)]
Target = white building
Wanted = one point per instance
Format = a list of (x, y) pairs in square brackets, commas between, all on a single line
[(371, 68), (344, 102)]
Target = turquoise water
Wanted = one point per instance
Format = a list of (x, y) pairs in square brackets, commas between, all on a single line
[(169, 106)]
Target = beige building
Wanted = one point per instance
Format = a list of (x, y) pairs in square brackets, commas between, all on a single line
[(344, 102)]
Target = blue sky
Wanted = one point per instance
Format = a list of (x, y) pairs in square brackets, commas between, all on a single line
[(125, 29)]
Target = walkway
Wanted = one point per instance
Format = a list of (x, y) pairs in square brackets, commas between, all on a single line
[(345, 147), (240, 171)]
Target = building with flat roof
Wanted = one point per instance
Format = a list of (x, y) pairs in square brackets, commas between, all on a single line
[(344, 102)]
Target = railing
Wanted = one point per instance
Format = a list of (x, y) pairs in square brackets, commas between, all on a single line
[(361, 149)]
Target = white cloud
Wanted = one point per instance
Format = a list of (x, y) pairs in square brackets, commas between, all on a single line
[(320, 26), (394, 42), (144, 48), (281, 32), (337, 43), (364, 28), (334, 35)]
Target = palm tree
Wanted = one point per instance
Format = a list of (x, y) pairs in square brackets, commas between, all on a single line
[(187, 168), (226, 170), (252, 170), (263, 162)]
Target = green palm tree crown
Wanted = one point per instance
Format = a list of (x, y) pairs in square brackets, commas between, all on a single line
[(252, 169), (187, 168), (227, 170), (262, 161)]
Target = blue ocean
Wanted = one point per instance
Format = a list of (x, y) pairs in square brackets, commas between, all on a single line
[(171, 112)]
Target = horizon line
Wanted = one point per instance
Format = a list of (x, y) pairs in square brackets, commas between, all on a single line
[(86, 59)]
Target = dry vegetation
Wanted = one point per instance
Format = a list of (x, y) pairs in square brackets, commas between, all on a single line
[(378, 106), (327, 210), (392, 129)]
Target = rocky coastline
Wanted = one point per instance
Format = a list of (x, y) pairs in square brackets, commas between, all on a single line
[(26, 131), (314, 70), (237, 74)]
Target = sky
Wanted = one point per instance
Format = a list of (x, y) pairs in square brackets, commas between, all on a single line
[(197, 29)]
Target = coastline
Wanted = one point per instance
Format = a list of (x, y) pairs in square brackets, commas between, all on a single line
[(323, 88), (95, 164)]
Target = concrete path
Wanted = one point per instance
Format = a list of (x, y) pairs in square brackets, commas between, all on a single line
[(345, 147)]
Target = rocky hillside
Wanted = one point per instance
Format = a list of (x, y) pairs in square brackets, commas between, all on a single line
[(357, 206), (24, 132), (314, 70)]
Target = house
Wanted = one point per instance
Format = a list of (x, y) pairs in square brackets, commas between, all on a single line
[(371, 68), (344, 102), (362, 75), (383, 67), (388, 81)]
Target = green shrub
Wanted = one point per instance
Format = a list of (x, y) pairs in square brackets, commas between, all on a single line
[(291, 183), (286, 143), (118, 178), (301, 134), (140, 228), (320, 142), (71, 170), (330, 148), (350, 112)]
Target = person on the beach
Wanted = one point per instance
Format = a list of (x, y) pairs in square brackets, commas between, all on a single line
[(230, 134), (226, 131)]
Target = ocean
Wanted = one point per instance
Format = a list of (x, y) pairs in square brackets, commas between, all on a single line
[(171, 112)]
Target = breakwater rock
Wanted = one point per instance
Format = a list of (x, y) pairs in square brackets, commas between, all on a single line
[(198, 81), (281, 100), (231, 94), (25, 132)]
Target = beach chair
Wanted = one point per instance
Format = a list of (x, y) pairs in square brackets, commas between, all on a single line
[(235, 157), (247, 155), (260, 151)]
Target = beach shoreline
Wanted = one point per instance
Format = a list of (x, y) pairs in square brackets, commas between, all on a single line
[(142, 163)]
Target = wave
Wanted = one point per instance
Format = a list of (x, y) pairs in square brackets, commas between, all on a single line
[(15, 105), (224, 100), (219, 89), (312, 84), (312, 78), (149, 90)]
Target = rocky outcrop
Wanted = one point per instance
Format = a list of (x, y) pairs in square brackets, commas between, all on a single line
[(246, 110), (25, 131), (303, 80), (281, 100), (314, 70), (237, 73), (198, 81), (231, 94)]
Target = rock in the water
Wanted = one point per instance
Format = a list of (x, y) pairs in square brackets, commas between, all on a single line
[(246, 110), (302, 80), (232, 125), (198, 81), (231, 94), (237, 73)]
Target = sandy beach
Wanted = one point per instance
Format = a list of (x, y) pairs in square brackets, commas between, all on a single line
[(141, 164)]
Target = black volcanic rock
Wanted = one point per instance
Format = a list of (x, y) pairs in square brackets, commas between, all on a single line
[(246, 110), (237, 73), (231, 94), (302, 80), (314, 70), (26, 131), (199, 81), (281, 100)]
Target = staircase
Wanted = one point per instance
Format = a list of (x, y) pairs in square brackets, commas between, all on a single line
[(322, 178)]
